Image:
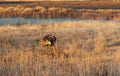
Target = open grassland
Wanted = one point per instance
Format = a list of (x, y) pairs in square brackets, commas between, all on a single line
[(85, 48), (57, 12), (66, 4), (106, 10)]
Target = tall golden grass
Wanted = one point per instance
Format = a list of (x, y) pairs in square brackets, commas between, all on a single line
[(84, 49), (55, 12)]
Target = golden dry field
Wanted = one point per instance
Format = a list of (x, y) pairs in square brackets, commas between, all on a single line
[(108, 10), (87, 32), (92, 4), (85, 48)]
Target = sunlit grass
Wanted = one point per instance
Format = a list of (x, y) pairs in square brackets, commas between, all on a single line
[(59, 12), (85, 48)]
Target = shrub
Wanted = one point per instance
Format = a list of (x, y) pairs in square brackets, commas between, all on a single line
[(53, 9), (40, 9)]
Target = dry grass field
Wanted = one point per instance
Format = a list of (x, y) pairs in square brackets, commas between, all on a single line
[(85, 48), (66, 4), (108, 10), (57, 12)]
